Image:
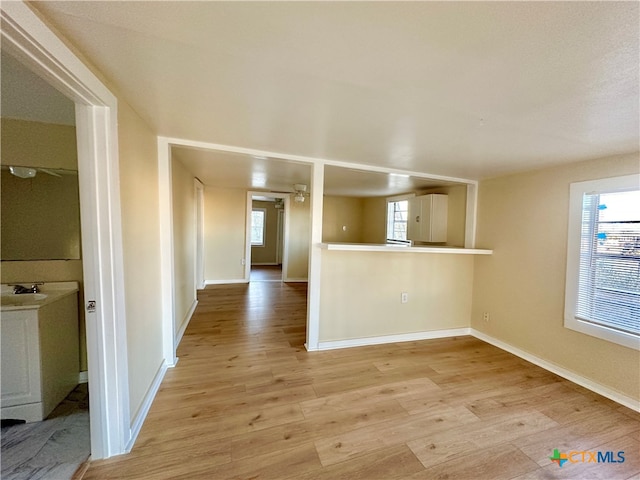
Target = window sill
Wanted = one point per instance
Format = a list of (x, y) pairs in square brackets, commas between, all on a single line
[(625, 339)]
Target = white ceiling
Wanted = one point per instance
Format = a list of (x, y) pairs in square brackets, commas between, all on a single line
[(25, 96), (233, 170), (463, 89)]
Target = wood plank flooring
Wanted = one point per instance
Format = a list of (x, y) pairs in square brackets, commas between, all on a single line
[(266, 273), (247, 401)]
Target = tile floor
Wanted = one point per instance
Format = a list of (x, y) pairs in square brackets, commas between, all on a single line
[(52, 449)]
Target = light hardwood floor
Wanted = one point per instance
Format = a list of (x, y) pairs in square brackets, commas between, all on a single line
[(247, 401)]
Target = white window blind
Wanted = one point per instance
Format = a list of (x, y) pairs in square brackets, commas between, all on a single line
[(609, 264), (257, 226), (397, 212)]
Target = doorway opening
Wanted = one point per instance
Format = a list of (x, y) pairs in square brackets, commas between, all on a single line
[(266, 256), (45, 427), (29, 40)]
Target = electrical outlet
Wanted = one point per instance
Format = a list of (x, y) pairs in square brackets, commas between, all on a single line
[(404, 297), (485, 317)]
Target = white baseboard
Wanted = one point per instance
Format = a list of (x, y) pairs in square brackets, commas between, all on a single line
[(295, 280), (266, 264), (83, 377), (29, 412), (185, 322), (403, 337), (223, 282), (587, 383), (140, 417)]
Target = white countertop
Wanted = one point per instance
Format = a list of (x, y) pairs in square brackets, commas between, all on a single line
[(374, 247), (53, 290)]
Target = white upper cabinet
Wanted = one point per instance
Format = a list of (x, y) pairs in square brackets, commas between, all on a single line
[(428, 218)]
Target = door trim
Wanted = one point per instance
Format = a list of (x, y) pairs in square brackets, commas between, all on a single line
[(199, 235)]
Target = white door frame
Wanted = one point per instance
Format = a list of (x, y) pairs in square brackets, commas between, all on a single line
[(280, 237), (31, 41), (285, 241), (199, 235)]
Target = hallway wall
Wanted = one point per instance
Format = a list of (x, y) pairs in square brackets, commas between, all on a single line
[(139, 195), (299, 238), (224, 234), (225, 214), (184, 241)]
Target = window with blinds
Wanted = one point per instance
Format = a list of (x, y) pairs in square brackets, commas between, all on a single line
[(257, 226), (605, 251), (609, 292), (397, 212)]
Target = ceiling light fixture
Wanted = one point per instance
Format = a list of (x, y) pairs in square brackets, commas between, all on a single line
[(23, 172), (300, 191)]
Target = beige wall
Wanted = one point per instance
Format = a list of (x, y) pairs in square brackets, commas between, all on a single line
[(299, 238), (225, 213), (141, 248), (360, 293), (456, 212), (374, 220), (266, 254), (524, 219), (339, 212), (366, 218), (34, 144), (184, 241)]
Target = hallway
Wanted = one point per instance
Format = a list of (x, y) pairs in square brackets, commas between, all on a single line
[(266, 273), (247, 401)]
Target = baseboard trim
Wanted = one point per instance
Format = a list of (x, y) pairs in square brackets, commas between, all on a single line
[(295, 280), (83, 377), (267, 264), (617, 397), (403, 337), (140, 417), (585, 382), (185, 322), (223, 282)]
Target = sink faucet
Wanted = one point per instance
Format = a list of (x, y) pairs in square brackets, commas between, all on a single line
[(20, 289)]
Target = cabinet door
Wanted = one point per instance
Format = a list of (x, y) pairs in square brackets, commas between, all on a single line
[(413, 220), (428, 218), (20, 358), (438, 218)]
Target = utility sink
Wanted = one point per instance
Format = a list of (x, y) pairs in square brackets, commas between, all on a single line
[(22, 299)]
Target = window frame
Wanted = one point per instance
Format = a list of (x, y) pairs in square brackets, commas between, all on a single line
[(264, 225), (397, 198), (576, 194)]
